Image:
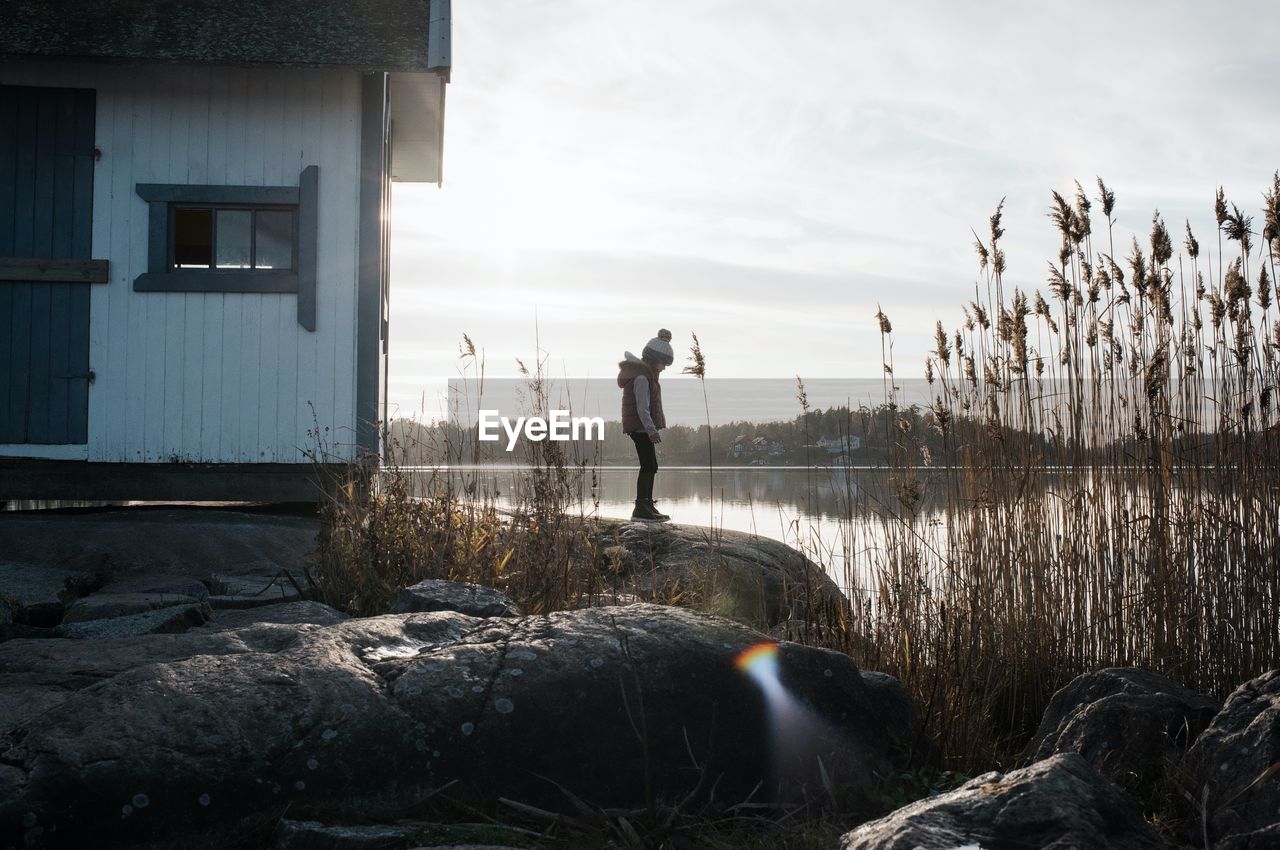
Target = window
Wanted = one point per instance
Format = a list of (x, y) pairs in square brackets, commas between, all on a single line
[(233, 239)]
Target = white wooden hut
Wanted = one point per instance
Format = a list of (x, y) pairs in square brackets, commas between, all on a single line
[(194, 219)]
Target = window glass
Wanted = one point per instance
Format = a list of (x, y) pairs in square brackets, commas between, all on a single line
[(192, 238), (233, 238), (274, 243)]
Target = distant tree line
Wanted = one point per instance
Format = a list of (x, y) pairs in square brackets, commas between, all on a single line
[(886, 435), (794, 442)]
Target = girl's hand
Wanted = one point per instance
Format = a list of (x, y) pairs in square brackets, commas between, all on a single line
[(655, 438)]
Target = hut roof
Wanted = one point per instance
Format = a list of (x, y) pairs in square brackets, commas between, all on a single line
[(370, 35)]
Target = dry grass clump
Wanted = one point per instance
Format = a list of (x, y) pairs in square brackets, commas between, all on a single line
[(379, 537), (1108, 484), (384, 529), (377, 540)]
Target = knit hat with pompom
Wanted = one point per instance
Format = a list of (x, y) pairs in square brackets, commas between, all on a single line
[(658, 349)]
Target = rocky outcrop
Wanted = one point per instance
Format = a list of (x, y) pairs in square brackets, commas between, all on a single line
[(176, 541), (285, 613), (313, 835), (1237, 762), (113, 564), (165, 736), (115, 572), (1060, 802), (31, 592), (173, 618), (102, 606), (751, 579), (465, 597), (1129, 724), (39, 675)]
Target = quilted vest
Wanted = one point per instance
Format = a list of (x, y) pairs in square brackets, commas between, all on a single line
[(628, 370)]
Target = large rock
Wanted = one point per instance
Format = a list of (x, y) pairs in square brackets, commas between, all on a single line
[(172, 735), (286, 613), (751, 579), (253, 589), (38, 675), (1236, 759), (33, 592), (186, 541), (100, 606), (1060, 803), (59, 569), (465, 597), (173, 618), (313, 835), (1130, 724)]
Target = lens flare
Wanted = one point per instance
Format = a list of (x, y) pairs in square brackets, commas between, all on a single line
[(758, 657), (760, 662), (797, 739)]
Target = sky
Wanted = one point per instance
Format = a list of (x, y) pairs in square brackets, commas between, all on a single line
[(766, 175)]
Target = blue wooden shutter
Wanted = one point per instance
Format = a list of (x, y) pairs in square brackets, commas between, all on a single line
[(46, 211)]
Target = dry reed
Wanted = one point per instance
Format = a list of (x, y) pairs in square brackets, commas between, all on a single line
[(1108, 486)]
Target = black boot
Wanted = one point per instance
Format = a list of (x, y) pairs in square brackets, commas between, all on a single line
[(644, 512), (644, 493), (644, 486)]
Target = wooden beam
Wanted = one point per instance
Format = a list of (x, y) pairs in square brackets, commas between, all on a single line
[(45, 270), (374, 126), (217, 280), (308, 244), (191, 193), (81, 480)]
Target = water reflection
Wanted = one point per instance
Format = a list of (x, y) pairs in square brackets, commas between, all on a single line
[(817, 492)]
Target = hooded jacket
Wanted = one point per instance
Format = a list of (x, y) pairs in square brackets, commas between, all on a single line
[(629, 370)]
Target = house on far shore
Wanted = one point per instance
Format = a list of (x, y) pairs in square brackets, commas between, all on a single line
[(194, 219), (757, 446), (840, 445)]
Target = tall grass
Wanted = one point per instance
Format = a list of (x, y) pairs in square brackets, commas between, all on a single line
[(1108, 485), (698, 368)]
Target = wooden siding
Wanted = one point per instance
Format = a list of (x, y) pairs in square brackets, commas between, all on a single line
[(217, 377)]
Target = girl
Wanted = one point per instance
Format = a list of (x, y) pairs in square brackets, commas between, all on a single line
[(642, 417)]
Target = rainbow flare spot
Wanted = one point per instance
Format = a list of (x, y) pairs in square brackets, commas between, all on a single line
[(757, 657)]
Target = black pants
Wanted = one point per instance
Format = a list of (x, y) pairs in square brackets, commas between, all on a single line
[(648, 456)]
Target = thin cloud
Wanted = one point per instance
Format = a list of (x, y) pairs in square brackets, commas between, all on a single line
[(773, 173)]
